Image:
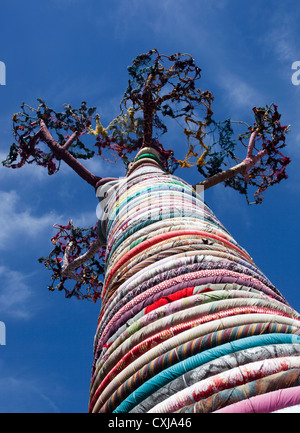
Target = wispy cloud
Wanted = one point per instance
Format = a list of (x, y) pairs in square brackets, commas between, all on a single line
[(16, 296), (27, 171), (25, 396), (17, 221), (280, 38), (239, 94), (165, 21)]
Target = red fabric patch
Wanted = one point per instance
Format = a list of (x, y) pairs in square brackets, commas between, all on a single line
[(184, 293)]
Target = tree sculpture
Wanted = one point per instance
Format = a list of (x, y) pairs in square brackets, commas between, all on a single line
[(187, 321)]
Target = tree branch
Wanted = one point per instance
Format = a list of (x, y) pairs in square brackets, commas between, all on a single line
[(242, 168), (71, 140), (251, 144), (61, 152), (68, 268), (148, 109), (224, 175), (34, 140)]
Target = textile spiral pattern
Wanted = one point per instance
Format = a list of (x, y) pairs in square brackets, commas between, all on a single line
[(188, 323)]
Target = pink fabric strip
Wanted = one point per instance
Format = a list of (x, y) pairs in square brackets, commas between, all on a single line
[(265, 403)]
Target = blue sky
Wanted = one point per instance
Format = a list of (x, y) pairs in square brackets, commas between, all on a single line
[(67, 51)]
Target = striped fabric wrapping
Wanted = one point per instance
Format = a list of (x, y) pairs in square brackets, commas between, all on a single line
[(188, 323)]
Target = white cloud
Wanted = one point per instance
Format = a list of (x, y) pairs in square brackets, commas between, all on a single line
[(15, 295), (17, 221), (20, 228), (37, 173)]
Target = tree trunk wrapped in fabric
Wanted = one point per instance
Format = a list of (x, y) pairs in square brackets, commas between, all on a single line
[(187, 319)]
